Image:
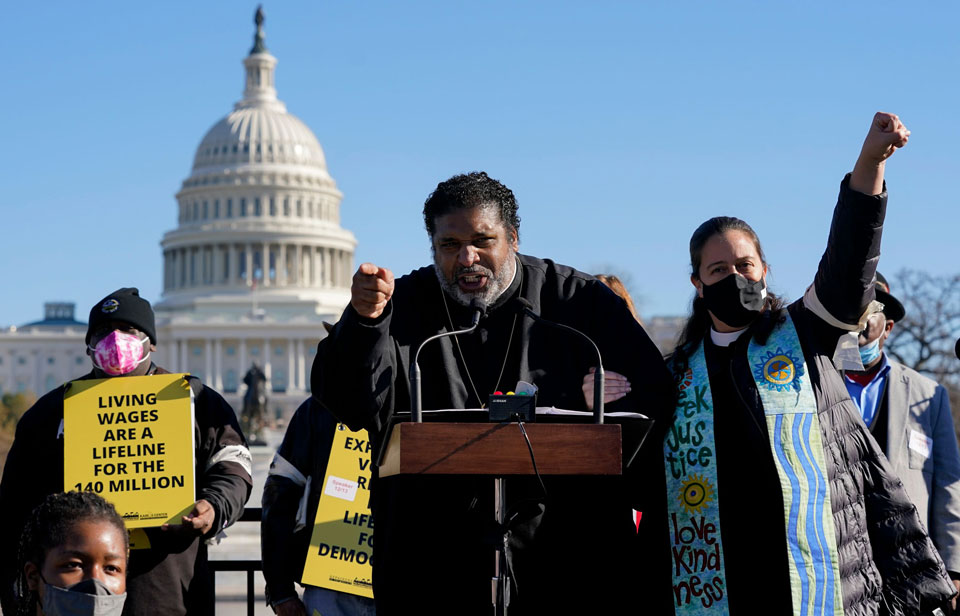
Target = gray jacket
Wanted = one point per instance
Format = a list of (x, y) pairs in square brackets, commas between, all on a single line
[(922, 447)]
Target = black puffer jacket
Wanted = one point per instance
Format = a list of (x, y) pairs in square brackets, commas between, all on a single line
[(888, 565), (306, 447)]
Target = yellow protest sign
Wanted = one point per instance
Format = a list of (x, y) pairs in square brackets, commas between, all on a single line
[(341, 546), (130, 440)]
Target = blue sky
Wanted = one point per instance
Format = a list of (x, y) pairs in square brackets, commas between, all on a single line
[(620, 126)]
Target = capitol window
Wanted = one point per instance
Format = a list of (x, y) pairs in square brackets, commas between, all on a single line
[(256, 207), (230, 382), (286, 206), (205, 210), (230, 350), (50, 361), (216, 208), (273, 207), (229, 208), (195, 210), (278, 382), (243, 207)]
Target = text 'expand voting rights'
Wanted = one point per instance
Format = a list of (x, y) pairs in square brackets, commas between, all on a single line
[(132, 445), (341, 545)]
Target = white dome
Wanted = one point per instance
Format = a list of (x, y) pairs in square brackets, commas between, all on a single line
[(258, 134), (259, 210)]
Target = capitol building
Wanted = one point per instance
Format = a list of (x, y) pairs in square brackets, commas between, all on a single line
[(258, 261)]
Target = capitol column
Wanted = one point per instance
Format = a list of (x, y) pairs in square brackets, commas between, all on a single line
[(218, 364), (298, 269), (233, 268), (217, 265), (301, 363), (183, 355), (265, 264), (248, 253), (267, 367), (208, 361), (291, 376), (242, 355), (326, 266), (332, 262)]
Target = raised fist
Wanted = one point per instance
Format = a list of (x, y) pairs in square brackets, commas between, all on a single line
[(372, 288), (887, 133)]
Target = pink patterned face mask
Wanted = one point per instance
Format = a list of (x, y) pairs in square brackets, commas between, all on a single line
[(119, 353)]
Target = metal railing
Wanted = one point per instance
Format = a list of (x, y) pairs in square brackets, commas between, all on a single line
[(250, 514)]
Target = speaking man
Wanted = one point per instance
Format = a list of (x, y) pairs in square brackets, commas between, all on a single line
[(909, 415), (433, 536), (170, 577)]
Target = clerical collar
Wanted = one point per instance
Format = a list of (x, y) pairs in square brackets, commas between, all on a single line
[(724, 339)]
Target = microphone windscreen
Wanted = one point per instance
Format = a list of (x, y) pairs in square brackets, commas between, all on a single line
[(956, 349), (478, 305)]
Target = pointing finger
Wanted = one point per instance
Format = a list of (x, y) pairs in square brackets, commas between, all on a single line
[(367, 269)]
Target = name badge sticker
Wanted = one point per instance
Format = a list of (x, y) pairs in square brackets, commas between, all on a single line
[(921, 443), (341, 488)]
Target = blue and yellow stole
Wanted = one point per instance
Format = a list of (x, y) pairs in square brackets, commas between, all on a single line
[(693, 494)]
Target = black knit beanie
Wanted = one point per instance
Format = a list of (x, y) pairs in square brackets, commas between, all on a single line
[(123, 305)]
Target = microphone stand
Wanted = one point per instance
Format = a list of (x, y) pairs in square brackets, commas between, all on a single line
[(479, 308), (598, 377)]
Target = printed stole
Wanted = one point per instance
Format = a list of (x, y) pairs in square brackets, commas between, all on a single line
[(693, 494)]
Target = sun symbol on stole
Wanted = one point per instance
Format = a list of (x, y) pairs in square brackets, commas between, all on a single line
[(695, 493)]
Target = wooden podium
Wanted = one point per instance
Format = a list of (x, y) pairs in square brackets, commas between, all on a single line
[(499, 450)]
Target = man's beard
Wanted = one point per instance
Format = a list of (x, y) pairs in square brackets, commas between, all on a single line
[(496, 284)]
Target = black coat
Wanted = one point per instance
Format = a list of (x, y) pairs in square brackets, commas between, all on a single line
[(170, 578), (306, 445), (888, 565), (433, 536)]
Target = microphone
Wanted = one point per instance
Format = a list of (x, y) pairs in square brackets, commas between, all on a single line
[(526, 307), (956, 349), (479, 308)]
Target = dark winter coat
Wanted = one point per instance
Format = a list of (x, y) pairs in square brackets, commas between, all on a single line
[(306, 446), (169, 578), (433, 535), (888, 565)]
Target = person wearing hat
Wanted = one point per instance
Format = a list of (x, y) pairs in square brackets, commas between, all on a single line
[(909, 416), (170, 576)]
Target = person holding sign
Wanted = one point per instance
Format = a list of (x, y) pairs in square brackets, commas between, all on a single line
[(168, 565), (72, 558), (291, 497), (433, 536), (767, 493)]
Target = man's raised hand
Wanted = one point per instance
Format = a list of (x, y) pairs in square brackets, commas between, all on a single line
[(372, 288)]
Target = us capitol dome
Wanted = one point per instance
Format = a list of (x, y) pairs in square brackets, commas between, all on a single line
[(258, 259)]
